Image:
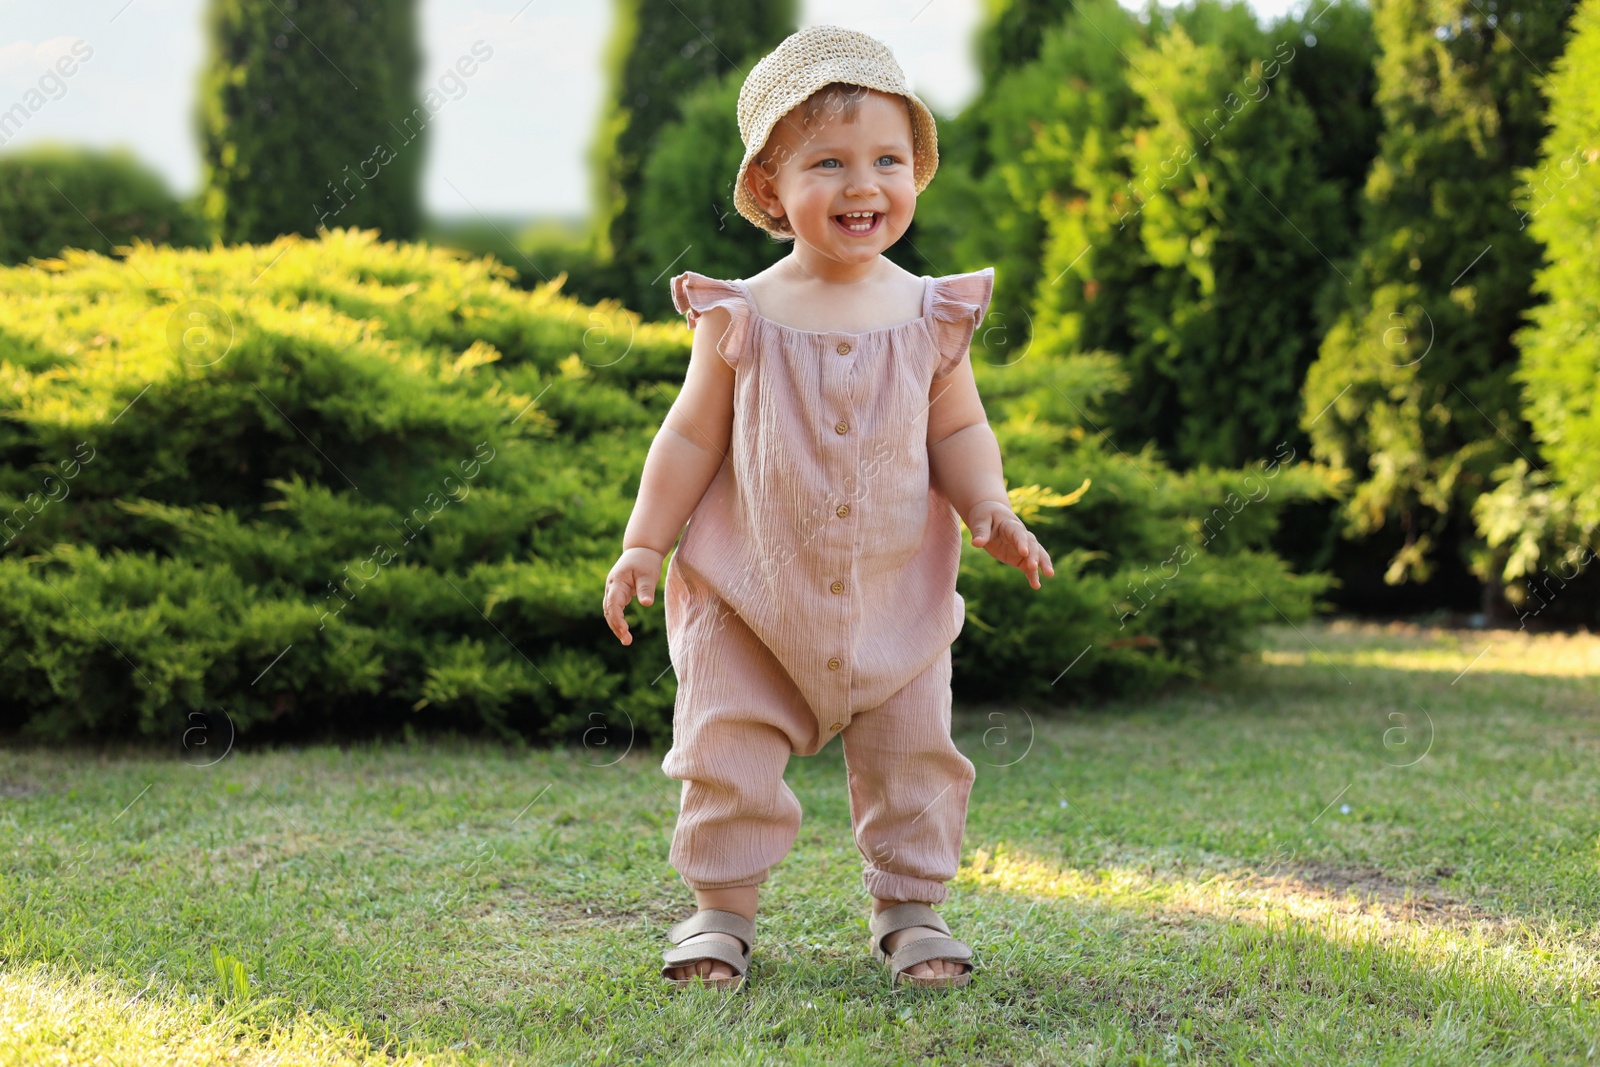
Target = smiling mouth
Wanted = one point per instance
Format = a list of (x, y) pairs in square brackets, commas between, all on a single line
[(858, 226)]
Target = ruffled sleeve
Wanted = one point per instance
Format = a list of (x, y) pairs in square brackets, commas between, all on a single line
[(960, 301), (694, 294)]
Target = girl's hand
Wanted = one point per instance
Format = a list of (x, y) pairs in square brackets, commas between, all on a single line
[(636, 571), (996, 529)]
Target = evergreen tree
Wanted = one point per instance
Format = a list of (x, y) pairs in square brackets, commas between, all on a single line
[(686, 199), (1195, 245), (1548, 517), (1012, 32), (1047, 127), (659, 51), (1411, 392), (309, 117)]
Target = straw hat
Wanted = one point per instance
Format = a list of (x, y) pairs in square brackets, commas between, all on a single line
[(804, 63)]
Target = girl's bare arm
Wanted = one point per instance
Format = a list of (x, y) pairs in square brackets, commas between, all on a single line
[(964, 463), (963, 454), (683, 458), (691, 444)]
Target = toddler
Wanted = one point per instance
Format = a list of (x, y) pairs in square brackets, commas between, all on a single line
[(826, 445)]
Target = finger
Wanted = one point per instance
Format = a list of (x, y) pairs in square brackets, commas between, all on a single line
[(647, 592), (995, 537), (1017, 536), (617, 595), (980, 531), (1030, 567)]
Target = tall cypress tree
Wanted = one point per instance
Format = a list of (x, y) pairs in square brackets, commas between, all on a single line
[(1560, 368), (659, 51), (1549, 516), (1411, 392), (309, 117)]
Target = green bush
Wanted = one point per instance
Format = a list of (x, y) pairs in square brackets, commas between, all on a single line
[(382, 462), (1159, 575), (353, 484), (57, 196), (658, 54), (1023, 147)]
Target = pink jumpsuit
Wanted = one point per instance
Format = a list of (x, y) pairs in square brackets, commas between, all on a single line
[(814, 591)]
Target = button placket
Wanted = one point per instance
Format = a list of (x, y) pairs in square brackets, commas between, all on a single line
[(837, 389)]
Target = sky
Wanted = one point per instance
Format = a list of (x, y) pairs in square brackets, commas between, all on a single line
[(501, 148)]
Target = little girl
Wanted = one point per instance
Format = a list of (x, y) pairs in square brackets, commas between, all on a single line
[(827, 443)]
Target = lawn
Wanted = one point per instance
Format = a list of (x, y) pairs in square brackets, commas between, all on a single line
[(1366, 844)]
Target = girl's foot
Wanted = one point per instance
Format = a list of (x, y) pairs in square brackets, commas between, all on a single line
[(741, 900), (935, 968), (708, 969)]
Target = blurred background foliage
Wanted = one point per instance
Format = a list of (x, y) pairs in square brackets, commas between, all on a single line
[(1312, 304)]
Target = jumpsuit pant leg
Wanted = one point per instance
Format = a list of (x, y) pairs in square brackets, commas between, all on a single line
[(909, 786), (737, 719)]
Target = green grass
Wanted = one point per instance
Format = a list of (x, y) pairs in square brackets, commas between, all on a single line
[(1346, 851)]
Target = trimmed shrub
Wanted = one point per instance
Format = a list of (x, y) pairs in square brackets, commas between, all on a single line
[(58, 196), (358, 484), (319, 482)]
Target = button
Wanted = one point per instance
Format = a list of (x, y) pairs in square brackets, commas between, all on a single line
[(844, 509), (841, 427), (836, 726), (844, 348), (833, 664), (837, 587)]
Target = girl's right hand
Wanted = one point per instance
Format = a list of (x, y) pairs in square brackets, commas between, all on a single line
[(636, 571)]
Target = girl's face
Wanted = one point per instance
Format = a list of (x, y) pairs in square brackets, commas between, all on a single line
[(815, 176)]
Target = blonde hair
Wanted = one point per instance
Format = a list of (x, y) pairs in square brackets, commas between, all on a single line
[(841, 99)]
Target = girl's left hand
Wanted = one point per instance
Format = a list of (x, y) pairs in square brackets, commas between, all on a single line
[(997, 530)]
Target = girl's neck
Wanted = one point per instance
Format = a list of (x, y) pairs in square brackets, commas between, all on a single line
[(805, 265)]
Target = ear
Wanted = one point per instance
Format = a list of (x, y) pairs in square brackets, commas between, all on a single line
[(762, 188)]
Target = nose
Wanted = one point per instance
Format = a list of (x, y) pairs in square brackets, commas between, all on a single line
[(863, 186)]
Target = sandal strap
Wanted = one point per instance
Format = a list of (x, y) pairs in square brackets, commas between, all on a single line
[(705, 950), (900, 917), (715, 921), (930, 948)]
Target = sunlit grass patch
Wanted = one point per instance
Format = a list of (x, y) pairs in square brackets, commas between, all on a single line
[(1254, 870)]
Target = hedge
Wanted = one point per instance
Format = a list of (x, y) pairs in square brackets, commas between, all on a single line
[(359, 485)]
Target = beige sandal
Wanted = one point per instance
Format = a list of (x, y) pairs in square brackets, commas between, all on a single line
[(711, 921), (912, 913)]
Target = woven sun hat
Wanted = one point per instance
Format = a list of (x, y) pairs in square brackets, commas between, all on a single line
[(798, 67)]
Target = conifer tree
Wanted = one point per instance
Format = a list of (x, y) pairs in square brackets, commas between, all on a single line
[(1411, 392), (659, 51), (1547, 516), (309, 117)]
